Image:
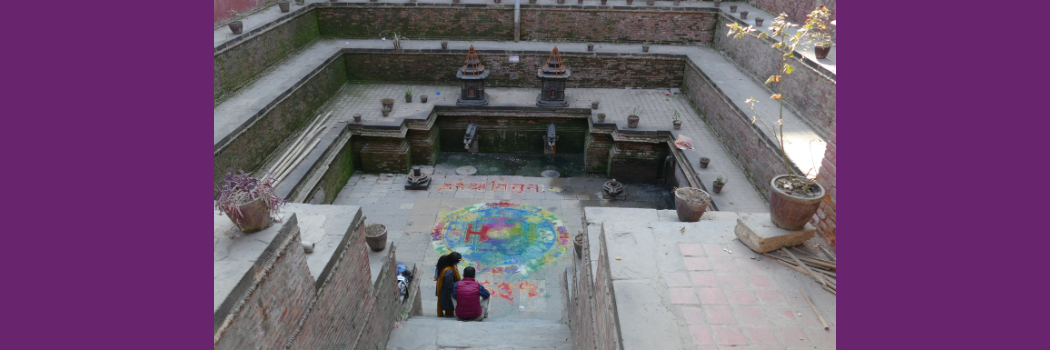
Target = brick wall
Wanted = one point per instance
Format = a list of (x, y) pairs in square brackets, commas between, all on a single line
[(568, 24), (596, 157), (755, 154), (283, 292), (496, 22), (581, 307), (588, 71), (636, 161), (385, 309), (606, 322), (824, 219), (809, 91), (342, 298), (425, 146), (339, 170), (250, 149), (796, 9), (240, 63), (385, 155), (513, 135)]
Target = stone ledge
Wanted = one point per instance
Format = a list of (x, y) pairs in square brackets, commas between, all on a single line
[(758, 233)]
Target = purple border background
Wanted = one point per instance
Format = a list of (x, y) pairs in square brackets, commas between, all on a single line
[(107, 135), (108, 138)]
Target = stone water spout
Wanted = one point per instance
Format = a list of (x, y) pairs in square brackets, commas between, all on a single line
[(550, 139), (470, 139)]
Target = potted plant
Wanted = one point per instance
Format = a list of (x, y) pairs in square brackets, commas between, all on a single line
[(423, 99), (690, 203), (645, 47), (386, 111), (236, 25), (677, 120), (628, 1), (601, 117), (718, 3), (532, 1), (632, 119), (732, 8), (793, 197), (455, 1), (284, 5), (408, 96), (704, 161), (594, 104), (375, 237), (822, 33), (387, 103), (444, 45), (590, 47), (604, 1), (561, 2), (743, 14), (650, 2), (249, 201), (496, 1), (717, 185), (300, 2), (676, 2), (758, 21), (357, 118)]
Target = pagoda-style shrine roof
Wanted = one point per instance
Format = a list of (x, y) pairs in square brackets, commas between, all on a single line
[(472, 67), (554, 68)]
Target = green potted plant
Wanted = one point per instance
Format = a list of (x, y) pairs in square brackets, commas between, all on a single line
[(284, 5), (677, 120), (704, 161), (690, 203), (249, 201), (236, 25), (632, 119), (601, 117), (822, 32), (793, 198), (408, 96), (717, 185)]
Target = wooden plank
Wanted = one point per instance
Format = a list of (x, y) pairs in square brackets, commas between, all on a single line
[(804, 267), (825, 323)]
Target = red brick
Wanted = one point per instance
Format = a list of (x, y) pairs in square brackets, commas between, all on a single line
[(701, 335), (761, 335), (717, 314), (691, 249), (693, 315), (771, 297), (722, 263), (712, 296), (750, 315), (761, 280), (704, 279), (729, 336), (740, 297), (728, 280), (793, 337), (697, 264)]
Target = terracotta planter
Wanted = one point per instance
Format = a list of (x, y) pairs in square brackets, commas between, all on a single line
[(601, 117), (357, 118), (444, 45), (590, 47), (791, 212), (758, 21), (732, 8), (632, 121), (255, 216), (579, 2), (453, 1), (423, 99), (594, 105), (629, 1), (645, 48), (236, 27), (387, 103), (375, 237), (408, 98), (821, 51), (577, 243), (285, 6), (743, 14), (604, 1), (718, 4), (300, 2), (497, 1), (690, 203), (386, 112), (677, 125), (676, 2), (561, 2), (704, 161), (717, 186), (650, 2)]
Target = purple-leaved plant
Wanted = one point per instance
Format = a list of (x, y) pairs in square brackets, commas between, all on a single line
[(242, 188)]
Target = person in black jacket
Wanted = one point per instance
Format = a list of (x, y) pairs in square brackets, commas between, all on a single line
[(449, 275)]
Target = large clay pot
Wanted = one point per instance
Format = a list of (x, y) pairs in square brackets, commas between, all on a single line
[(285, 6), (791, 212), (690, 210), (255, 216), (375, 237), (387, 103), (236, 27)]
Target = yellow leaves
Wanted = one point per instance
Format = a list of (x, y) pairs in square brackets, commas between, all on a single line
[(775, 97), (773, 79), (788, 69)]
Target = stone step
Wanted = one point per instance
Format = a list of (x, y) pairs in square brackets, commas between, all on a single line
[(493, 333)]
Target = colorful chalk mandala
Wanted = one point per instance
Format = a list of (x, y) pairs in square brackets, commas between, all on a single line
[(502, 237)]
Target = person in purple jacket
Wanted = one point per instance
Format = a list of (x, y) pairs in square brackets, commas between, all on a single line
[(468, 294)]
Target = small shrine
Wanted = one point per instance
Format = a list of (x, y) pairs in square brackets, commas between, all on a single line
[(472, 76), (553, 75)]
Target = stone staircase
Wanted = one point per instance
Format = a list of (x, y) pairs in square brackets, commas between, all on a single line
[(422, 332)]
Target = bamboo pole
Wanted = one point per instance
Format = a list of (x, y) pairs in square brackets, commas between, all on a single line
[(812, 257), (793, 267), (828, 254), (832, 291), (804, 267), (825, 323)]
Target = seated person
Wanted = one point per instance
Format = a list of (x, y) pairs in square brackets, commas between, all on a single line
[(468, 294)]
